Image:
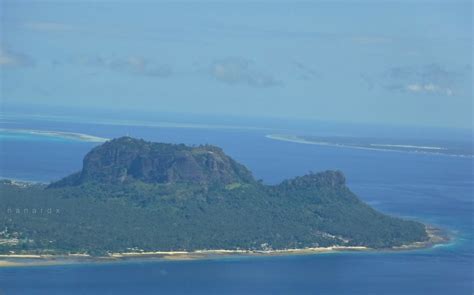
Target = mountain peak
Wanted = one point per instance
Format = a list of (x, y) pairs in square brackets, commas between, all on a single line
[(126, 159)]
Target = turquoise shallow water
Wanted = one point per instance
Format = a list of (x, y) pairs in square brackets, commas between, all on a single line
[(17, 136), (433, 189)]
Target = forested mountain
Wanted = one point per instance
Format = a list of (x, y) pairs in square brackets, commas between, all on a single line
[(132, 194)]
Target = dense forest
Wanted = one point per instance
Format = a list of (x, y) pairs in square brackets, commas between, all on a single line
[(136, 195)]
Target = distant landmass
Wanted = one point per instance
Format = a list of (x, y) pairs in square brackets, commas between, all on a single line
[(13, 132), (434, 147), (137, 196)]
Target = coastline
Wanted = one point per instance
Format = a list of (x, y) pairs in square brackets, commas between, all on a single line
[(436, 236), (423, 150), (57, 134)]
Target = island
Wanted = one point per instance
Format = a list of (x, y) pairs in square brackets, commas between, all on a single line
[(453, 148), (135, 198), (52, 134)]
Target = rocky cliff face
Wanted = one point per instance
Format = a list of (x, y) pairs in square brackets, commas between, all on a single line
[(127, 159)]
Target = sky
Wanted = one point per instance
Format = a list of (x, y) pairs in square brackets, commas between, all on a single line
[(382, 62)]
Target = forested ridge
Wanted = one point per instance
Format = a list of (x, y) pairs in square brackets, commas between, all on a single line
[(137, 195)]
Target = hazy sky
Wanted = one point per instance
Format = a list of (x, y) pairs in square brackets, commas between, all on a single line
[(397, 62)]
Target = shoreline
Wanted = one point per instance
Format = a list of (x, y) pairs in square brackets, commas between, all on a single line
[(436, 236), (371, 147), (57, 134)]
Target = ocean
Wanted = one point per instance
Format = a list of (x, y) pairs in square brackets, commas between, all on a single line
[(435, 189)]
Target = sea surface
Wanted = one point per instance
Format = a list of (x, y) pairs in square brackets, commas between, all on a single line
[(434, 189)]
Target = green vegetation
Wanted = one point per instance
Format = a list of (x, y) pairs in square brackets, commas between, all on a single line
[(133, 194)]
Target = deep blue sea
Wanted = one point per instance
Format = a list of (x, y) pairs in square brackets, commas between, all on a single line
[(434, 189)]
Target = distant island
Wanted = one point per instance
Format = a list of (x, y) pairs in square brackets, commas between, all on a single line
[(420, 146), (138, 198), (53, 134)]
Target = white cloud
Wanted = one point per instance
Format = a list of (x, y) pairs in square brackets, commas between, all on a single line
[(14, 59), (133, 64), (306, 72), (414, 87), (429, 88), (233, 70), (430, 79)]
